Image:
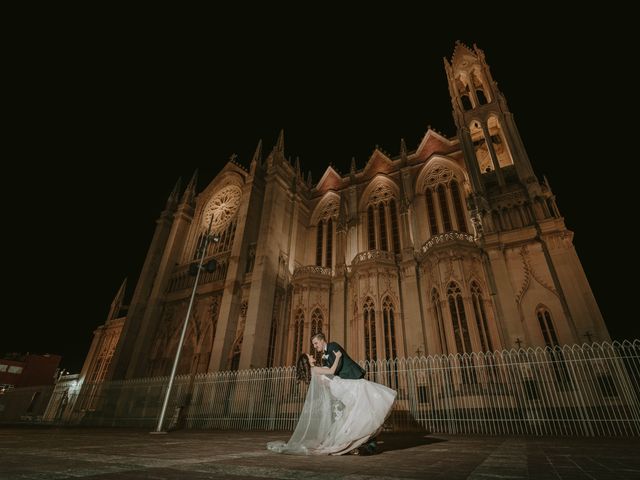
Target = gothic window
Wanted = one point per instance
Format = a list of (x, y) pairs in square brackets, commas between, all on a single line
[(431, 211), (389, 329), (456, 194), (370, 350), (482, 99), (385, 234), (328, 262), (298, 335), (458, 319), (481, 318), (383, 228), (437, 312), (316, 322), (466, 102), (371, 228), (444, 208), (546, 325), (395, 232), (319, 245)]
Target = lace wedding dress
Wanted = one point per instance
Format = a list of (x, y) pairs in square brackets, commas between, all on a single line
[(338, 415)]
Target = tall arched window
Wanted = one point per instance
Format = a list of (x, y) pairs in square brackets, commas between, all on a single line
[(466, 102), (371, 228), (457, 206), (389, 329), (482, 99), (444, 208), (382, 220), (316, 322), (298, 335), (395, 232), (546, 325), (459, 319), (383, 228), (328, 261), (431, 212), (481, 318), (370, 350), (319, 245), (437, 312)]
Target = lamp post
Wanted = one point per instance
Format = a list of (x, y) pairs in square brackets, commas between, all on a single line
[(210, 267)]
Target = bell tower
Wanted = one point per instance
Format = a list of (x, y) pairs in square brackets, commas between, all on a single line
[(488, 134)]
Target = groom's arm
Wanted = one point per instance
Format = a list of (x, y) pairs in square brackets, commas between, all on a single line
[(334, 347)]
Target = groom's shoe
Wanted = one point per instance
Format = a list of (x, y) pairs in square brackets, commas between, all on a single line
[(370, 448)]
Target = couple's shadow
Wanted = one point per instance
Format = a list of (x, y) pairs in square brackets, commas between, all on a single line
[(402, 440)]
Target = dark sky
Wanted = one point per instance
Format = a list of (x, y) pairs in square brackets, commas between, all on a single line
[(107, 116)]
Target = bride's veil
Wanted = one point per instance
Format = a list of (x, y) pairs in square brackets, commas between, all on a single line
[(319, 412)]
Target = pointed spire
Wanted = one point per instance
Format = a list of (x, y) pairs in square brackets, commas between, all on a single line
[(298, 170), (280, 143), (352, 170), (190, 192), (257, 155), (175, 194), (309, 180), (403, 152), (116, 304)]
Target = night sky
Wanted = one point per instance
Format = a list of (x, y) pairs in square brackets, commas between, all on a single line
[(106, 117)]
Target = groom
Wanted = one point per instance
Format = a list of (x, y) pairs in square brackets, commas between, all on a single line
[(347, 368)]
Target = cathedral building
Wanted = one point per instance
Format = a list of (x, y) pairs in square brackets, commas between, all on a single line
[(452, 247)]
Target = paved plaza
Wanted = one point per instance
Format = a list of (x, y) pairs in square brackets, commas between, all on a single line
[(58, 453)]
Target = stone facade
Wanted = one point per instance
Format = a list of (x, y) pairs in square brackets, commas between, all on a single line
[(455, 246)]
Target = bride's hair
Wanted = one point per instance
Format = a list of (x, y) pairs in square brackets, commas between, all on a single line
[(303, 369)]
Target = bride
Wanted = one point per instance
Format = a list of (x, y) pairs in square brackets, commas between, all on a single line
[(338, 414)]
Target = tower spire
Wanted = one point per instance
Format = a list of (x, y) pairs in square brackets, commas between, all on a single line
[(257, 155), (190, 192), (174, 196), (116, 303), (280, 143)]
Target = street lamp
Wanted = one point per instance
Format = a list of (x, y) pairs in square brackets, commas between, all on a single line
[(194, 269)]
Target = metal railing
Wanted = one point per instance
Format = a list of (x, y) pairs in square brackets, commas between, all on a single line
[(583, 390)]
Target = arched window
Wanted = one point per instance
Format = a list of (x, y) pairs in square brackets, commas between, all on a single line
[(383, 228), (546, 325), (298, 335), (481, 318), (444, 208), (482, 99), (395, 233), (437, 313), (457, 206), (431, 212), (389, 329), (371, 228), (319, 245), (316, 322), (328, 262), (370, 350), (459, 319), (466, 102)]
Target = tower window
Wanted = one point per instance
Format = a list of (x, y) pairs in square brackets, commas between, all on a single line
[(482, 100), (444, 208), (466, 102)]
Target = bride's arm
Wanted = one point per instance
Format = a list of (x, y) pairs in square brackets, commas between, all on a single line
[(326, 370)]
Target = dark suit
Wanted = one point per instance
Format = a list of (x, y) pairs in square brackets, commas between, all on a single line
[(347, 368)]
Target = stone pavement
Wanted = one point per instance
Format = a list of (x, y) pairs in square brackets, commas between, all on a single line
[(57, 453)]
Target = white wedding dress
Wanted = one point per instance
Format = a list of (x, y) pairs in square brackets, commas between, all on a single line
[(338, 415)]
